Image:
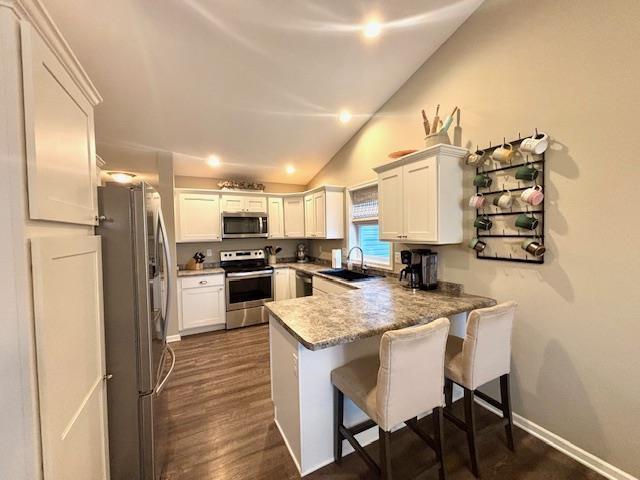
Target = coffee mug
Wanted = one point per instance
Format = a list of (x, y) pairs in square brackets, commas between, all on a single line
[(503, 153), (526, 221), (482, 180), (503, 201), (536, 144), (477, 201), (527, 172), (477, 159), (532, 195), (477, 244), (483, 223), (534, 248)]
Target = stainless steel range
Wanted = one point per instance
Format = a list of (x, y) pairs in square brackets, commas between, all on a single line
[(249, 286)]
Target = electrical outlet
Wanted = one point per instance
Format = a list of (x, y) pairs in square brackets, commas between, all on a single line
[(209, 252), (396, 257)]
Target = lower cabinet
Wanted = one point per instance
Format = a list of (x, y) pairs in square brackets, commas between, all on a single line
[(283, 284), (201, 302)]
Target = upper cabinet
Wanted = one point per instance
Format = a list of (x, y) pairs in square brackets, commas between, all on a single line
[(197, 217), (324, 213), (294, 217), (243, 203), (276, 217), (420, 196), (59, 137)]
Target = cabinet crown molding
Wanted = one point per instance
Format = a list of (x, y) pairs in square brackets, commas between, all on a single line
[(441, 150), (326, 188), (33, 12)]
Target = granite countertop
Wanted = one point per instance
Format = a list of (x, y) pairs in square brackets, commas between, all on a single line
[(371, 308), (204, 271)]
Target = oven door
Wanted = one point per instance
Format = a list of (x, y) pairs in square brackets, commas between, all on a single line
[(244, 225), (249, 289)]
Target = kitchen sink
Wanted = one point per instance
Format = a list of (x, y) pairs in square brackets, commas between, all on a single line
[(348, 275)]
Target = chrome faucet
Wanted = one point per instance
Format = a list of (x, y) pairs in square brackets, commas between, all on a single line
[(362, 267)]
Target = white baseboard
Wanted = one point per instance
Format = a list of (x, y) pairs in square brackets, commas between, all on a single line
[(286, 443), (173, 338), (569, 449)]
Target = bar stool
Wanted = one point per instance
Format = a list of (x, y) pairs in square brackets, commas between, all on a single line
[(404, 381), (483, 355)]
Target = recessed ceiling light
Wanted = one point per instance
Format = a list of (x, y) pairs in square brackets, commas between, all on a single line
[(291, 169), (371, 29), (344, 116), (213, 161), (122, 177)]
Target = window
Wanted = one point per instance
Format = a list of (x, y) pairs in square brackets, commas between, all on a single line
[(363, 231)]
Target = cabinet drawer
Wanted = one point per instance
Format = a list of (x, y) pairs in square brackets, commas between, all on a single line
[(200, 281)]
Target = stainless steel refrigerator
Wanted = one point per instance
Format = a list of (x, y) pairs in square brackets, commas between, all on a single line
[(137, 283)]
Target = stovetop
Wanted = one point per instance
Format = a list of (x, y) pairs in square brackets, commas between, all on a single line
[(243, 261), (245, 268)]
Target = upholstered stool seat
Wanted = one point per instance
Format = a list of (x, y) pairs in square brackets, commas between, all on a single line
[(404, 381), (482, 356)]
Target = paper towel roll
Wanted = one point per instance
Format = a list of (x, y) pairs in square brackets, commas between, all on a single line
[(336, 258)]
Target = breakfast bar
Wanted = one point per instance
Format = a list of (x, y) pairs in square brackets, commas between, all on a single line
[(311, 336)]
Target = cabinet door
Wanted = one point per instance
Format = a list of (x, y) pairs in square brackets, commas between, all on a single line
[(320, 211), (233, 203), (256, 204), (70, 351), (309, 216), (198, 217), (420, 200), (390, 214), (294, 217), (202, 307), (283, 290), (59, 136), (276, 218)]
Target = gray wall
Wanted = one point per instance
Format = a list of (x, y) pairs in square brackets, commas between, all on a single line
[(569, 68)]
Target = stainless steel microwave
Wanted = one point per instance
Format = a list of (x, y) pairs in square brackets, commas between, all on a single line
[(245, 225)]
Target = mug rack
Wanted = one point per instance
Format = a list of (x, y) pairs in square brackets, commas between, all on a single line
[(537, 211)]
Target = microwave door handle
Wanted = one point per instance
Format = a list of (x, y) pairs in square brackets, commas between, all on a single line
[(260, 229)]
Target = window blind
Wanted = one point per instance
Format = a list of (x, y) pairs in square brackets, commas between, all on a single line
[(364, 203)]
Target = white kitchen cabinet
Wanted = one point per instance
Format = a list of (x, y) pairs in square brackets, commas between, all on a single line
[(243, 203), (198, 217), (420, 196), (327, 287), (294, 217), (201, 303), (276, 217), (324, 213), (59, 137), (283, 286)]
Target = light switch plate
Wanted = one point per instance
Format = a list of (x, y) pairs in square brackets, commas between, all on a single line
[(397, 258), (209, 252)]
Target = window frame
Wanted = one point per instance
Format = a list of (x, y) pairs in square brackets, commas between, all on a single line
[(353, 239)]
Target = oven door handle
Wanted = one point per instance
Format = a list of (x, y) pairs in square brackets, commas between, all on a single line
[(249, 274)]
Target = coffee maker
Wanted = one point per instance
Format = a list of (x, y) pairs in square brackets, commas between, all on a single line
[(421, 271)]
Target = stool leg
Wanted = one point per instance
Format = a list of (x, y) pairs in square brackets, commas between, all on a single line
[(385, 455), (470, 420), (448, 392), (505, 394), (438, 436), (338, 420)]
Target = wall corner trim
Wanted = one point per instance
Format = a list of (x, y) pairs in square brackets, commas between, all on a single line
[(564, 446)]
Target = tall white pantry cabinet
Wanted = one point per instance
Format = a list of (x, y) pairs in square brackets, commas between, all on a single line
[(54, 422)]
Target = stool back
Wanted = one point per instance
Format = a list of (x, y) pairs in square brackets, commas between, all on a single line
[(411, 374), (486, 351)]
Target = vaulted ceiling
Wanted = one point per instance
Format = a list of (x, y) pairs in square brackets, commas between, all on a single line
[(257, 82)]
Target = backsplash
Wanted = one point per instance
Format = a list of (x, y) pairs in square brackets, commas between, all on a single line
[(184, 251)]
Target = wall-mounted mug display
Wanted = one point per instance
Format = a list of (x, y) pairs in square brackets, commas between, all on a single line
[(536, 144), (527, 172), (477, 201), (482, 180), (477, 244), (526, 221), (503, 153), (483, 223), (532, 195), (503, 201), (533, 247), (477, 159)]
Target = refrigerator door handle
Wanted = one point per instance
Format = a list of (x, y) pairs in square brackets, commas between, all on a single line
[(163, 382), (169, 267)]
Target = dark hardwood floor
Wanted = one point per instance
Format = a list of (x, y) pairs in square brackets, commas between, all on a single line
[(221, 426)]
